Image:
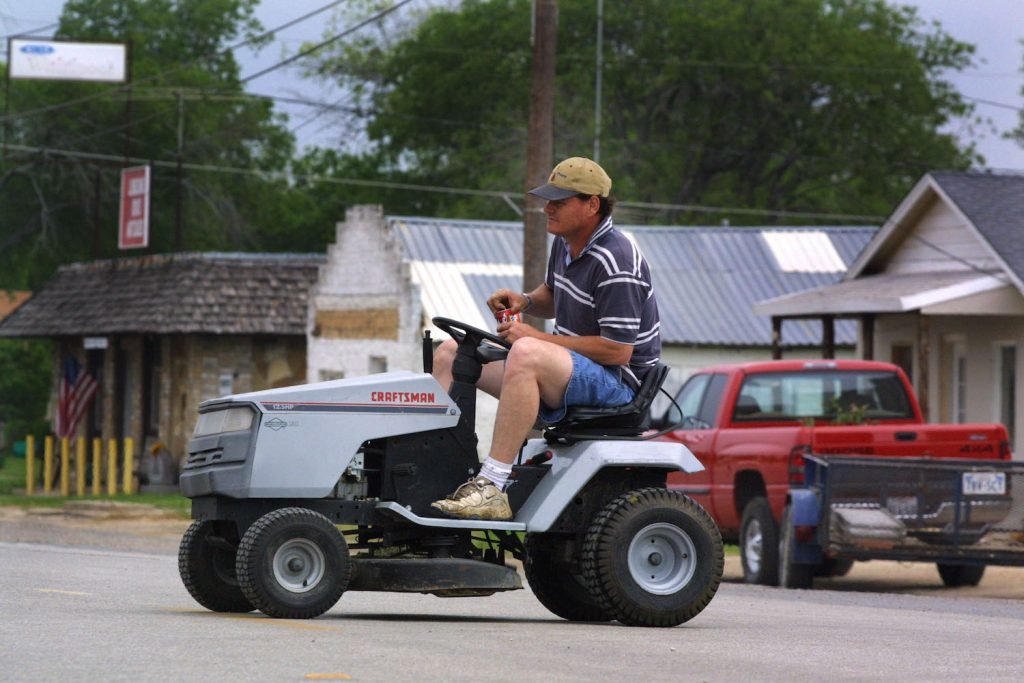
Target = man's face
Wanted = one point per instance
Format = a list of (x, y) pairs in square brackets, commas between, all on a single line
[(567, 217)]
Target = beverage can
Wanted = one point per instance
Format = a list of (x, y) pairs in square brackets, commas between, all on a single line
[(507, 316)]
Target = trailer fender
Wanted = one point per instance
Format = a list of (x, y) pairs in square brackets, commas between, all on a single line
[(805, 507), (804, 516)]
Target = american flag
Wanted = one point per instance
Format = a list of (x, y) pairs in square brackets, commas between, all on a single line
[(77, 389)]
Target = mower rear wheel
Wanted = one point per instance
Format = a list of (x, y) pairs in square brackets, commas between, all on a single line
[(554, 577), (293, 563), (653, 557), (206, 564)]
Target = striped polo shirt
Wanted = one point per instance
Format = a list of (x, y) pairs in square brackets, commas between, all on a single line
[(606, 291)]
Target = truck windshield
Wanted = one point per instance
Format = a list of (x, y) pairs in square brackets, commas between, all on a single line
[(841, 395)]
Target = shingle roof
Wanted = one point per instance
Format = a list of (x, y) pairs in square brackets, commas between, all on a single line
[(706, 278), (994, 203), (175, 293)]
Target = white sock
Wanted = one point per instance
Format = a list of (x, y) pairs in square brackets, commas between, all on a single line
[(496, 471)]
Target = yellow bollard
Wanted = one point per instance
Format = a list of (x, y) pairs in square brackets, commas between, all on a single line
[(129, 466), (112, 467), (47, 464), (65, 466), (30, 465), (97, 465), (80, 466)]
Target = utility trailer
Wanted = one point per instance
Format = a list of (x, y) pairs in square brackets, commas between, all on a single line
[(960, 514)]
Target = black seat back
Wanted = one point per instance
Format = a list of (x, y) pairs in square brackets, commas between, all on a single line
[(631, 419)]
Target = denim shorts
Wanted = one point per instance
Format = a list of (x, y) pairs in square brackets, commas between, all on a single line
[(591, 384)]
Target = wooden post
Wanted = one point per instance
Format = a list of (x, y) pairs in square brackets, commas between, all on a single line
[(80, 466), (867, 332), (97, 465), (129, 465), (539, 143), (65, 466), (30, 465), (112, 467), (923, 360), (48, 464), (828, 336), (776, 338)]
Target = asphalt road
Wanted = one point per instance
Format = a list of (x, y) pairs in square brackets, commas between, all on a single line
[(84, 611)]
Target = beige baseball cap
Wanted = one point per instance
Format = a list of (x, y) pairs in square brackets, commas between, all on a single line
[(575, 175)]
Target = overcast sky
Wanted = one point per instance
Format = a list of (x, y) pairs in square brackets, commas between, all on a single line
[(994, 26)]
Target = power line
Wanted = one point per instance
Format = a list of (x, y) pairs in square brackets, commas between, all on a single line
[(415, 187), (379, 15)]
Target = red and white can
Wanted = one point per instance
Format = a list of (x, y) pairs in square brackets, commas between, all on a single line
[(507, 316)]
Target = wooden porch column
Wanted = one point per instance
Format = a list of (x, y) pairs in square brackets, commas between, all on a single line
[(828, 336), (923, 354), (867, 332), (776, 338)]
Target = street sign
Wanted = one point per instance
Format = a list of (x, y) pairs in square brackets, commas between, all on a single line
[(133, 227)]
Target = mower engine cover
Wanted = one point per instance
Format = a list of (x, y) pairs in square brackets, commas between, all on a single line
[(295, 442)]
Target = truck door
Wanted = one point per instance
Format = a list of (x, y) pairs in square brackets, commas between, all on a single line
[(698, 400)]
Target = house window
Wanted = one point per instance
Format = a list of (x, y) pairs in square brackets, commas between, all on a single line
[(378, 364), (328, 375), (1006, 380)]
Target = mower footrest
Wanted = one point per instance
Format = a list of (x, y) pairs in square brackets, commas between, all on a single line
[(396, 510), (443, 577)]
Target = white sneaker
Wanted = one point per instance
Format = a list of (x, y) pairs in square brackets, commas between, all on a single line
[(478, 498)]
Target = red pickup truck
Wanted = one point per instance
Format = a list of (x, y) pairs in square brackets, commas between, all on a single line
[(752, 424)]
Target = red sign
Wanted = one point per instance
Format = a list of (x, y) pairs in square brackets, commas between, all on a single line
[(133, 227)]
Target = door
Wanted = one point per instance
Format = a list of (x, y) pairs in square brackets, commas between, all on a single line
[(698, 401)]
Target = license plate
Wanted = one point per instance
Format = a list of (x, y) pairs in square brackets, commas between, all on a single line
[(984, 483)]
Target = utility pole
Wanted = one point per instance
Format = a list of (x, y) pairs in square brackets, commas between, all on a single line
[(540, 141)]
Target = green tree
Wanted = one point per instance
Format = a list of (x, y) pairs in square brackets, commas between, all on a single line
[(783, 105), (24, 387), (59, 182)]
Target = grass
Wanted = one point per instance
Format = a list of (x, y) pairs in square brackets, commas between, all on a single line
[(12, 480)]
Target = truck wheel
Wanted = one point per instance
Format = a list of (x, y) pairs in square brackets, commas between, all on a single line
[(957, 575), (550, 571), (653, 557), (206, 564), (759, 544), (293, 563), (791, 574)]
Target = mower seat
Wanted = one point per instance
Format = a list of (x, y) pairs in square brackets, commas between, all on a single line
[(583, 423)]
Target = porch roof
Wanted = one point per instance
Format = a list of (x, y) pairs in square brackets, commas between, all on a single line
[(884, 293)]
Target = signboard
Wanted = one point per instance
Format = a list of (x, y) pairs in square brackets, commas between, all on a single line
[(133, 226), (67, 61)]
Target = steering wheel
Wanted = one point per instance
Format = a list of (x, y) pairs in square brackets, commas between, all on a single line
[(460, 331)]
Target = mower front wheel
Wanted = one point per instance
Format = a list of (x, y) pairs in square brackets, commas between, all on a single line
[(293, 563), (206, 564)]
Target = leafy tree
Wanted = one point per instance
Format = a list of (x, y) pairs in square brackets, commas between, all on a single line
[(24, 387), (782, 105), (59, 182)]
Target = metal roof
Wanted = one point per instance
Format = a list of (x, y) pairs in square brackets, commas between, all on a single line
[(706, 278)]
